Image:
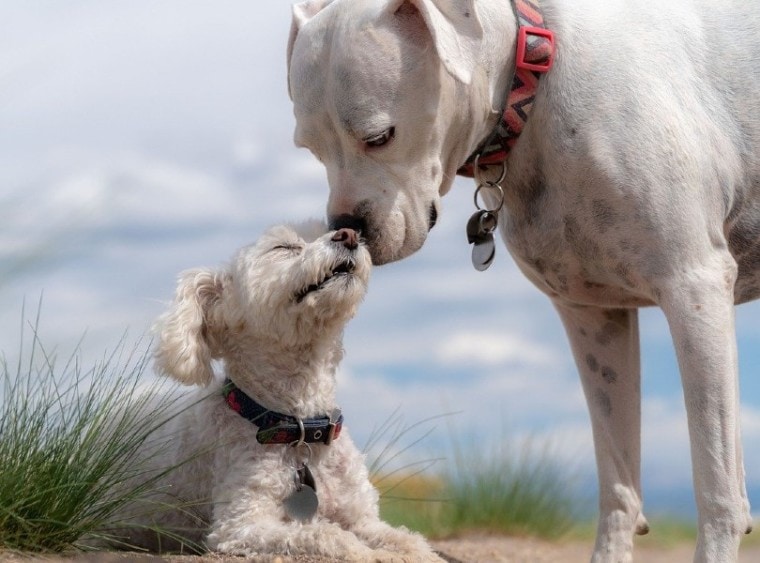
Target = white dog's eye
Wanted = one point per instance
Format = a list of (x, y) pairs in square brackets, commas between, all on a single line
[(289, 247), (381, 139)]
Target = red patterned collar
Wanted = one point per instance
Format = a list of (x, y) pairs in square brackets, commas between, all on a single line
[(534, 57)]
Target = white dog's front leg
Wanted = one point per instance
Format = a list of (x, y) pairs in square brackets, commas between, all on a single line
[(406, 545), (354, 504), (254, 523), (700, 311), (265, 534), (605, 344)]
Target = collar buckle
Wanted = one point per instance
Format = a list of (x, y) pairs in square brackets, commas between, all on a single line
[(540, 57), (331, 426)]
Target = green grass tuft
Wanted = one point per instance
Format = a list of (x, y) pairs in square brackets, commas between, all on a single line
[(513, 490), (517, 492), (67, 442)]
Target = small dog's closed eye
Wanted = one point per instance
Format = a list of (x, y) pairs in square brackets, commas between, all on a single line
[(272, 468)]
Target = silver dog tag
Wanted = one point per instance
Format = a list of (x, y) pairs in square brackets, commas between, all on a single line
[(480, 229), (483, 254), (302, 503)]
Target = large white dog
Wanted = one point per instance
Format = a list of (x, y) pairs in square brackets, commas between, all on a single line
[(636, 182), (263, 462)]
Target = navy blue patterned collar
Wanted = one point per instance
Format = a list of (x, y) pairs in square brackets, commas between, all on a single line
[(277, 428)]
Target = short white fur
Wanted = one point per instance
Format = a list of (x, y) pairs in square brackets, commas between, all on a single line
[(636, 182)]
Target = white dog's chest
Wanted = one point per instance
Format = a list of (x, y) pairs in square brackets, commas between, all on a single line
[(580, 271), (576, 245), (585, 248)]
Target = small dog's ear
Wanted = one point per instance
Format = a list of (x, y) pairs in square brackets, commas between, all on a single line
[(187, 333), (455, 28), (302, 13)]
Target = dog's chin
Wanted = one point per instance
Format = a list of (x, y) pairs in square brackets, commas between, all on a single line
[(341, 287), (342, 272), (334, 303), (384, 253), (400, 236)]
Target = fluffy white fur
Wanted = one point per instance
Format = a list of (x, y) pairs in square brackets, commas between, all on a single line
[(283, 352), (636, 182)]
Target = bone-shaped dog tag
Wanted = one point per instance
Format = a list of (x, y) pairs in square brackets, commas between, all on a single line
[(480, 229), (302, 503)]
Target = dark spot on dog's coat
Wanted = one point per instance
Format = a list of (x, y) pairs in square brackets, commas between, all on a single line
[(604, 402), (592, 362), (609, 332), (618, 316), (604, 215), (609, 374), (532, 197), (585, 246), (623, 272)]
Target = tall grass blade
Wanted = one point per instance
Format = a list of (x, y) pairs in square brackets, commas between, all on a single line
[(69, 442)]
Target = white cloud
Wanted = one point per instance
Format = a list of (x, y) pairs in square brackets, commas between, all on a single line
[(134, 190), (488, 348)]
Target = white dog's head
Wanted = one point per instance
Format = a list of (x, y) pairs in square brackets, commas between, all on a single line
[(295, 287), (384, 96)]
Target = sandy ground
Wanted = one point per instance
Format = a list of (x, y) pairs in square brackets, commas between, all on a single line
[(470, 549)]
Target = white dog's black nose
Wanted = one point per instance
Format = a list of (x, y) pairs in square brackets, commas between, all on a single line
[(347, 237), (355, 222)]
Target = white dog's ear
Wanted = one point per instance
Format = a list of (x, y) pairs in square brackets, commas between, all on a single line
[(188, 333), (302, 13), (456, 32)]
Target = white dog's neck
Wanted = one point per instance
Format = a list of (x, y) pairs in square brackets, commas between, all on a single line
[(499, 43), (299, 381), (493, 75)]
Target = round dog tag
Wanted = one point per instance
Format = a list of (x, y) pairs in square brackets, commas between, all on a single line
[(302, 504), (483, 253), (480, 228)]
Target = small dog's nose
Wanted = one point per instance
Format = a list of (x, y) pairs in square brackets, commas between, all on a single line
[(347, 237)]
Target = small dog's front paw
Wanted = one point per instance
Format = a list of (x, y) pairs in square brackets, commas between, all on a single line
[(384, 556), (402, 544), (321, 539)]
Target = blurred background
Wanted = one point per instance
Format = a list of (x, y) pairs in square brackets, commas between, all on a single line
[(141, 138)]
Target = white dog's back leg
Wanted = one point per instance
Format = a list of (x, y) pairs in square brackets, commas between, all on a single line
[(699, 307), (605, 344)]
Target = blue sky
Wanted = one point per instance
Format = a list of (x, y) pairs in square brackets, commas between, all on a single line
[(138, 139)]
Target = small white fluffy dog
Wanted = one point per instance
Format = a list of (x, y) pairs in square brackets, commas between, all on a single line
[(275, 317)]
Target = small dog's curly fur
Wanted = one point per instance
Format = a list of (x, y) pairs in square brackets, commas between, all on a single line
[(275, 318)]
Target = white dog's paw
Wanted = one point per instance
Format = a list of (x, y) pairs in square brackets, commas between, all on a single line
[(403, 544), (321, 539), (613, 549), (384, 556)]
